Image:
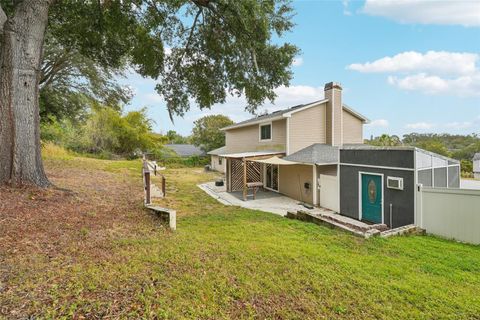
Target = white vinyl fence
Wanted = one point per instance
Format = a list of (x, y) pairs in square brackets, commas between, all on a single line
[(450, 213)]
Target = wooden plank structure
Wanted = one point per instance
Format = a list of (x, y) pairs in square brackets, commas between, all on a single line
[(169, 215), (147, 168), (146, 182), (244, 174)]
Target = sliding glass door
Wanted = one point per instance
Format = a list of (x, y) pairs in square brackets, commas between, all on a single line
[(271, 177)]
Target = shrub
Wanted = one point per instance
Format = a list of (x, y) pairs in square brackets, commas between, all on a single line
[(51, 150)]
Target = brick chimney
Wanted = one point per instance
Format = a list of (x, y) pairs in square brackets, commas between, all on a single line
[(333, 92)]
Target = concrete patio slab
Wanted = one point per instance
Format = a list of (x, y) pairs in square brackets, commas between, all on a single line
[(266, 201), (276, 203)]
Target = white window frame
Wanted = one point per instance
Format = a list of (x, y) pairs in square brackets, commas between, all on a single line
[(260, 125)]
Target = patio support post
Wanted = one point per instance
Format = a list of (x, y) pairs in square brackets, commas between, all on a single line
[(228, 171), (244, 179), (315, 185)]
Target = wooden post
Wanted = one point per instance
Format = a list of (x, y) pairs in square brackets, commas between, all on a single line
[(147, 187), (164, 186), (228, 175), (244, 179)]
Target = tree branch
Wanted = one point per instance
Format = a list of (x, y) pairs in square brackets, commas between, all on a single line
[(189, 39)]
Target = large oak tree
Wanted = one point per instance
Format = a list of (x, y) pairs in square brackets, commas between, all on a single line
[(199, 51)]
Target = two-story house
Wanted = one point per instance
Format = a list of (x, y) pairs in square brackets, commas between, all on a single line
[(314, 153)]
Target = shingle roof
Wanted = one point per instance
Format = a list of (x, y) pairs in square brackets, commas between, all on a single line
[(280, 113), (476, 156), (316, 153), (185, 150), (266, 117)]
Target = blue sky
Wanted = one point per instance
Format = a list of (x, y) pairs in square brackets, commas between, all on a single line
[(409, 66)]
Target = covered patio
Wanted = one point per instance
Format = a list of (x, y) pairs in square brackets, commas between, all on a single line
[(245, 172)]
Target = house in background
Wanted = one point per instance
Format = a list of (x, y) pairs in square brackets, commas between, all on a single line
[(218, 162), (476, 166), (314, 153), (185, 150)]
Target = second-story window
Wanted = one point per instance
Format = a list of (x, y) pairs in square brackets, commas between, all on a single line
[(266, 131)]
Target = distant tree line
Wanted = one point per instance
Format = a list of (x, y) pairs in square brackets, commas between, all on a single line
[(460, 147)]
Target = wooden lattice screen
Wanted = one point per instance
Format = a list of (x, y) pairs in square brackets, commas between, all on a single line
[(254, 173)]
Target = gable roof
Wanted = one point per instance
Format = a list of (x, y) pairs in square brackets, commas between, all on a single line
[(185, 150), (355, 113), (476, 156), (281, 114)]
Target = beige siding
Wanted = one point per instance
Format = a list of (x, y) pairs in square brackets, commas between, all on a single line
[(292, 179), (248, 138), (307, 127), (329, 170), (215, 164), (352, 128)]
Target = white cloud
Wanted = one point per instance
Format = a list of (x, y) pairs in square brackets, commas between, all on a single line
[(432, 84), (297, 62), (459, 125), (378, 123), (346, 10), (439, 12), (420, 125), (435, 72), (439, 62)]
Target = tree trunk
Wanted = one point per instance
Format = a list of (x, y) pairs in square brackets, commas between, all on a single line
[(20, 63)]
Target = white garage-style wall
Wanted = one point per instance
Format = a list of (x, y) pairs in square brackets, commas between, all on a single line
[(449, 213)]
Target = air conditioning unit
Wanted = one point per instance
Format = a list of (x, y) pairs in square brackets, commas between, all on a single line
[(395, 183)]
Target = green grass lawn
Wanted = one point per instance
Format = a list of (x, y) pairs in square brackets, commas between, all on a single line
[(227, 262)]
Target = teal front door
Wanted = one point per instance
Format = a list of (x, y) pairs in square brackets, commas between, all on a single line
[(372, 198)]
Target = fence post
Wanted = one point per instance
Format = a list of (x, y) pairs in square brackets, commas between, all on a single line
[(164, 186), (147, 186), (419, 205)]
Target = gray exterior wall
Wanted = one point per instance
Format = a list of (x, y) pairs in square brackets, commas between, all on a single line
[(403, 203), (381, 158)]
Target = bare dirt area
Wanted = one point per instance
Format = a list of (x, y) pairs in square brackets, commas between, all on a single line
[(78, 218)]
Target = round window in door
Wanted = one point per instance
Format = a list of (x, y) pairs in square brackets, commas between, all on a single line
[(372, 191)]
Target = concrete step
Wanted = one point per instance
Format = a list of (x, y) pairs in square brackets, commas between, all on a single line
[(354, 224), (333, 223), (408, 229)]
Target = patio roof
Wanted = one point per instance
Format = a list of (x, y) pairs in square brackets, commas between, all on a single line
[(251, 154), (276, 160), (218, 151)]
